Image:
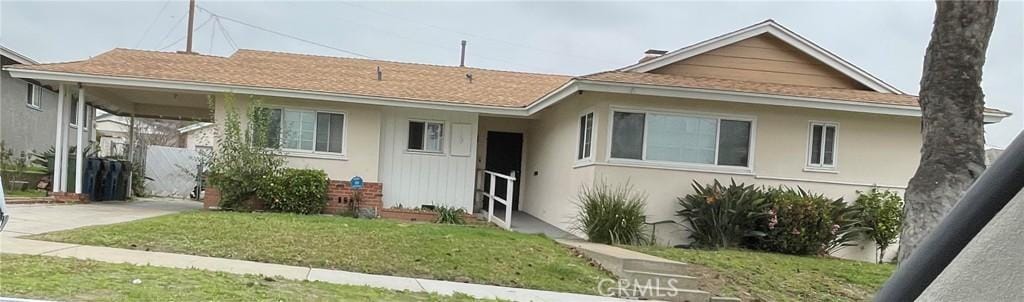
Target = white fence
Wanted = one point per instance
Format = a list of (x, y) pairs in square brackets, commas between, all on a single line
[(510, 180), (172, 171)]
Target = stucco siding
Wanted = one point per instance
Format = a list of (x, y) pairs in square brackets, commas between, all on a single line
[(23, 128), (362, 142)]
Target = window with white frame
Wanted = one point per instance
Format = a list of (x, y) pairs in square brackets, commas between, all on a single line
[(681, 138), (32, 96), (586, 139), (87, 119), (821, 151), (426, 136), (306, 130)]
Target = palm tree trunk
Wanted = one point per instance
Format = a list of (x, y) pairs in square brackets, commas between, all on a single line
[(952, 105)]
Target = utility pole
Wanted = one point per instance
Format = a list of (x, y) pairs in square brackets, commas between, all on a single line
[(191, 19)]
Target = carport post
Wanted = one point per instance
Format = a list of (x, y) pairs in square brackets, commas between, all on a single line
[(80, 144), (58, 145), (131, 153)]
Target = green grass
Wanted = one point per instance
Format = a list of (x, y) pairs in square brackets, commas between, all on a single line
[(43, 277), (475, 254), (26, 193), (776, 277)]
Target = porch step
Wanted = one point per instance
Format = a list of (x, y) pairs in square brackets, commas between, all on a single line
[(659, 266), (666, 293), (656, 279)]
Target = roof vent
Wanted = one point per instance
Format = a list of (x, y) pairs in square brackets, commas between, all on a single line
[(380, 74), (651, 54)]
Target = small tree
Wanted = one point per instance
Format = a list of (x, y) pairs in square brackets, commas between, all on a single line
[(881, 211), (244, 157)]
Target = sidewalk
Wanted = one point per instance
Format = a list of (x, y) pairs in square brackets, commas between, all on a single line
[(10, 244)]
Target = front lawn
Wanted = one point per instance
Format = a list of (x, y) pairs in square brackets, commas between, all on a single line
[(475, 254), (26, 193), (42, 277), (776, 277)]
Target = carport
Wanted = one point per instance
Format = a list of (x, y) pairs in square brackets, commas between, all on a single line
[(116, 96)]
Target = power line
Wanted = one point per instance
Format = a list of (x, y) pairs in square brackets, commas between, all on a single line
[(284, 34), (407, 20), (150, 27), (171, 30), (201, 25), (227, 35)]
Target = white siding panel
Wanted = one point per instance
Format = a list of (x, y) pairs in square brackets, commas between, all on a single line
[(415, 178)]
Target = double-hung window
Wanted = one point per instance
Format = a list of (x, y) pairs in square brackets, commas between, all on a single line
[(586, 140), (681, 138), (87, 119), (822, 145), (306, 130), (426, 136), (32, 96)]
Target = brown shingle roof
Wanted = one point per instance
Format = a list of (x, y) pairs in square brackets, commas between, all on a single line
[(862, 96), (323, 74)]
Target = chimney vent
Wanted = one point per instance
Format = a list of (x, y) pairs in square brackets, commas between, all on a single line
[(380, 75), (651, 54)]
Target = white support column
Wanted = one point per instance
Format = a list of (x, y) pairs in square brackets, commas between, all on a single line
[(64, 145), (131, 154), (80, 139), (58, 145)]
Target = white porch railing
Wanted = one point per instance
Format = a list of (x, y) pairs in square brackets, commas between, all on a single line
[(510, 181)]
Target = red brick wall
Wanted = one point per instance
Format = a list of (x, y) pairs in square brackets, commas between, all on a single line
[(67, 197), (339, 197)]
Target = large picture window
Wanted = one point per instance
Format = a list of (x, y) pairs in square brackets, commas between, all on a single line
[(426, 136), (822, 145), (306, 130), (680, 138), (586, 139)]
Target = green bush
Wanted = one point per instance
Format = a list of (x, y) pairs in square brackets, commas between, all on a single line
[(450, 215), (244, 160), (612, 215), (881, 212), (720, 216), (804, 223), (301, 191)]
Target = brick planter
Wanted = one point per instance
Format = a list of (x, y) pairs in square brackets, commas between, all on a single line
[(64, 197), (339, 197)]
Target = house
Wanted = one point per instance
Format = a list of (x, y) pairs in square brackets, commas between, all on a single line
[(760, 105), (198, 136), (28, 109)]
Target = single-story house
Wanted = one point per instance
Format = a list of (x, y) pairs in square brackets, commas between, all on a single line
[(759, 105)]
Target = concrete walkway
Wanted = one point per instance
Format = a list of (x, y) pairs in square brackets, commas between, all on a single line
[(35, 218)]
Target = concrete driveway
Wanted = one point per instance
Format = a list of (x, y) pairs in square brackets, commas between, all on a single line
[(41, 218)]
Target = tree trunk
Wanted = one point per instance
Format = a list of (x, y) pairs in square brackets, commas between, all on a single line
[(952, 105)]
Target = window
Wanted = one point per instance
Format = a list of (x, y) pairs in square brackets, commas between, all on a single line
[(426, 136), (32, 96), (585, 147), (678, 138), (87, 119), (822, 145), (306, 130)]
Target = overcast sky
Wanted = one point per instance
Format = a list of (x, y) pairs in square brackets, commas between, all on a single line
[(887, 39)]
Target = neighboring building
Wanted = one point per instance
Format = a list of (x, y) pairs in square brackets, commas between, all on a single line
[(28, 109), (759, 105), (112, 133), (199, 136)]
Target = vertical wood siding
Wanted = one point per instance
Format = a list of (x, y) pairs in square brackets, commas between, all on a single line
[(413, 178)]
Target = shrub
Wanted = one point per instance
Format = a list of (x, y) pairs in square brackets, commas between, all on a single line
[(244, 159), (301, 191), (450, 215), (881, 213), (804, 223), (612, 215), (722, 216)]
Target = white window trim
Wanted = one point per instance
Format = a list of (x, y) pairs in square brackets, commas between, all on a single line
[(313, 153), (679, 165), (37, 99), (73, 122), (593, 138), (444, 137), (810, 167)]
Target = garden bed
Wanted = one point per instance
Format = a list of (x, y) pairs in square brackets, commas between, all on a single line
[(473, 254)]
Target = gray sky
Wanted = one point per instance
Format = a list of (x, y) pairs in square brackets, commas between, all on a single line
[(887, 39)]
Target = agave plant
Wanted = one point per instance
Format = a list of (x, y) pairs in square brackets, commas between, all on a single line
[(450, 215), (720, 216)]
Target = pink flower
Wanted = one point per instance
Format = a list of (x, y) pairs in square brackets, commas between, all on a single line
[(835, 228), (774, 220)]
